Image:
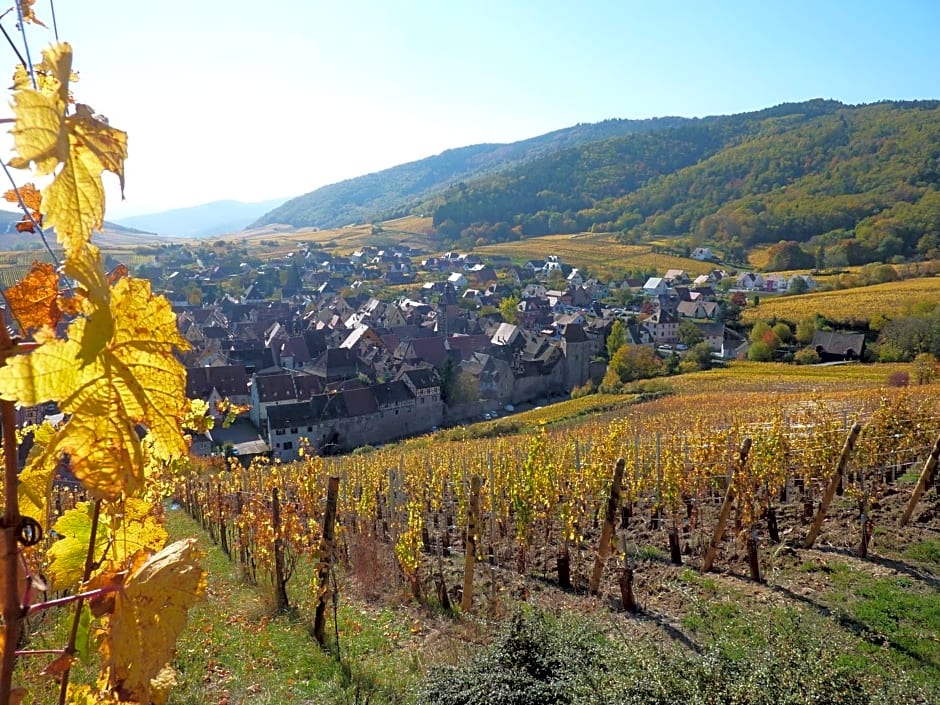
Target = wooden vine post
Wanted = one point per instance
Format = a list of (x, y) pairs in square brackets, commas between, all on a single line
[(12, 612), (926, 476), (607, 531), (326, 559), (473, 517), (280, 581), (725, 509), (834, 481)]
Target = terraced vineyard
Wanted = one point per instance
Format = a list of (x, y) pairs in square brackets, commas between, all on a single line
[(851, 306)]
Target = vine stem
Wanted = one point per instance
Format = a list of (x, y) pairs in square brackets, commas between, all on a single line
[(12, 610), (29, 60), (80, 599)]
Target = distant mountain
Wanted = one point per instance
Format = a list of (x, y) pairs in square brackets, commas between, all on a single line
[(207, 220), (393, 192), (842, 184)]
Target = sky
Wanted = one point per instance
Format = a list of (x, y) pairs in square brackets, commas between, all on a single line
[(229, 99)]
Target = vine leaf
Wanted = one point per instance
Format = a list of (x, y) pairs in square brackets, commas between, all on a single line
[(26, 10), (32, 199), (84, 144), (133, 527), (115, 374), (34, 300), (38, 133), (149, 614)]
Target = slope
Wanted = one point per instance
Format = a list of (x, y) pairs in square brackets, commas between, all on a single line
[(395, 191), (857, 183)]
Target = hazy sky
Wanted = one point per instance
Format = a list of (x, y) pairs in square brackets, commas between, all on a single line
[(257, 100)]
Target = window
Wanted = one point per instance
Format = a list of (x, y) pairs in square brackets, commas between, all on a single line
[(288, 445), (279, 432), (293, 430), (309, 429)]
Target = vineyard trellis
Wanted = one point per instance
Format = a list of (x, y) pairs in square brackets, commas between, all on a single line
[(544, 496)]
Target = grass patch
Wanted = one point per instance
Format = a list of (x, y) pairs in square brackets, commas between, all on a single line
[(236, 649), (895, 616), (925, 552)]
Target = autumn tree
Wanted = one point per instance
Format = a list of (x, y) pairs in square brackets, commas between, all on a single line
[(633, 362), (616, 339), (924, 368), (690, 334), (508, 309)]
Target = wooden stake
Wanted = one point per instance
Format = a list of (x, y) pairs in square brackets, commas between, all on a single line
[(473, 513), (280, 581), (830, 492), (326, 560), (725, 509), (923, 482), (607, 532)]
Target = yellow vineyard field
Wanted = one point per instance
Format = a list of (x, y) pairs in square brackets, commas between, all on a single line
[(600, 255), (892, 299), (408, 230)]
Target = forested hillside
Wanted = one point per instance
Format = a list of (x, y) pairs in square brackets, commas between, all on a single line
[(844, 184), (396, 191)]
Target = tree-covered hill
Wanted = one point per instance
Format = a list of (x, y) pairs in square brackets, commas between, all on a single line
[(844, 184), (396, 191)]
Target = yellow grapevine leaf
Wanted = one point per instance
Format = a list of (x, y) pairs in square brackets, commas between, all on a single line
[(86, 268), (67, 554), (34, 299), (38, 134), (124, 529), (35, 480), (93, 132), (74, 202), (149, 614), (83, 143), (110, 386)]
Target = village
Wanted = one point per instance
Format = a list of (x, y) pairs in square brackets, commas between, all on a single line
[(300, 340)]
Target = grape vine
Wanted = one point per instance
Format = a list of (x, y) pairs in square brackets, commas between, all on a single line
[(101, 346)]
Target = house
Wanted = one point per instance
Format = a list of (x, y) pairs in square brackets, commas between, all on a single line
[(458, 280), (703, 254), (664, 326), (697, 309), (654, 287), (676, 277), (832, 346), (714, 335), (750, 281), (214, 384)]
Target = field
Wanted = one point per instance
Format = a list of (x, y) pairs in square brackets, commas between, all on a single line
[(546, 475), (409, 231), (851, 306), (600, 255)]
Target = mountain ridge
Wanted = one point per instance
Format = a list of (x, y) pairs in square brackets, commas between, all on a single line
[(391, 192), (204, 220)]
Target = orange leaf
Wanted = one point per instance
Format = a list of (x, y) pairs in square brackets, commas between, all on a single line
[(119, 272), (26, 10), (34, 300), (31, 198)]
